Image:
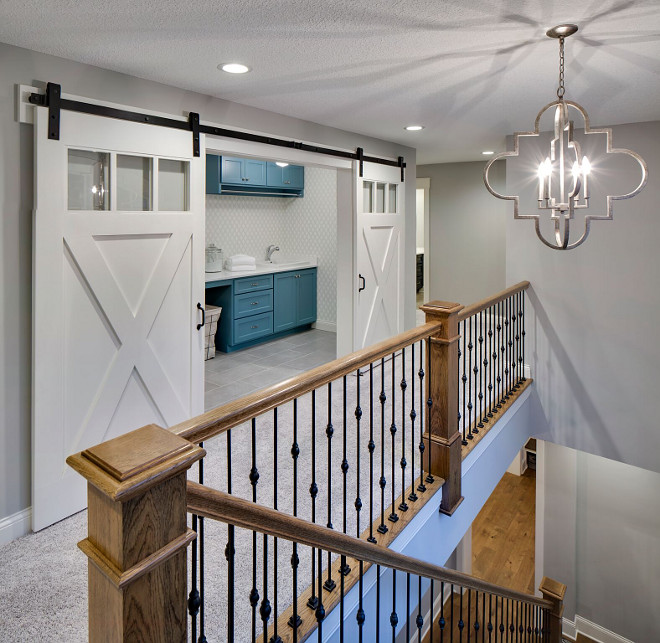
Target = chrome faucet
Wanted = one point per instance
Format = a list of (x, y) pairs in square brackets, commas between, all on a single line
[(270, 250)]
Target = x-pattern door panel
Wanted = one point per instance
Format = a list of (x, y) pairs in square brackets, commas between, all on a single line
[(115, 293), (379, 235)]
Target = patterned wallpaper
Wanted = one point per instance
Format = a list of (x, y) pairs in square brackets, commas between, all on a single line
[(300, 227)]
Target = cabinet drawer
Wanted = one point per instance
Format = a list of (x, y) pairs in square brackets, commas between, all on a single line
[(252, 327), (248, 284), (252, 303)]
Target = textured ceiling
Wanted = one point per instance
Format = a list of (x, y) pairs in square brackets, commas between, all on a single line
[(471, 71)]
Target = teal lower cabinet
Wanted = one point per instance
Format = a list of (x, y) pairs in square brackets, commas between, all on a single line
[(258, 309)]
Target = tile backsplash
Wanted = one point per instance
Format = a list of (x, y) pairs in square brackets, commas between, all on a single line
[(300, 227)]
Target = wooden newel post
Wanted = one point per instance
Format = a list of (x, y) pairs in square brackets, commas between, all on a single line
[(442, 435), (137, 535), (554, 591)]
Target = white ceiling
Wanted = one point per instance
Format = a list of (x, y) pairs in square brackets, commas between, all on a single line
[(471, 71)]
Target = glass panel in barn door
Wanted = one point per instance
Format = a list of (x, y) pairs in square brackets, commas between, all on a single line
[(134, 182), (172, 185), (88, 180)]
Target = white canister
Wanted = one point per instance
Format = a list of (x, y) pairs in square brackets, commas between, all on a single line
[(213, 258)]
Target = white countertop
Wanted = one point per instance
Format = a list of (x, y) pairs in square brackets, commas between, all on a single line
[(263, 268)]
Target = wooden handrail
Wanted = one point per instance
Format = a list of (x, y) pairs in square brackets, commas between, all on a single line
[(232, 414), (217, 505), (477, 307)]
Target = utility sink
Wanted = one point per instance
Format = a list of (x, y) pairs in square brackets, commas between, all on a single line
[(285, 262)]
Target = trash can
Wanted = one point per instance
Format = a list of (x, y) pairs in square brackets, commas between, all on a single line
[(210, 327)]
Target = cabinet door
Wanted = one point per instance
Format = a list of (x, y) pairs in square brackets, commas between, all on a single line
[(293, 176), (254, 172), (232, 170), (274, 175), (306, 284), (285, 289), (212, 174)]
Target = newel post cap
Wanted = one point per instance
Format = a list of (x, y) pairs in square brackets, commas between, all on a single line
[(128, 465)]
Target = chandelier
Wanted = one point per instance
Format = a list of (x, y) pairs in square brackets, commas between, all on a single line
[(563, 176)]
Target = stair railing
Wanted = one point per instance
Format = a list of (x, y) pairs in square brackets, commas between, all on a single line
[(411, 380)]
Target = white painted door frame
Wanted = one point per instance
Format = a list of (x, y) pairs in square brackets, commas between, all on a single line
[(425, 184)]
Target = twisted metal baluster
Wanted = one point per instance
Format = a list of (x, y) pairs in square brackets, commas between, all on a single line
[(393, 517)]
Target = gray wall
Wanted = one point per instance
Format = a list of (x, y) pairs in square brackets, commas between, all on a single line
[(602, 538), (467, 232), (592, 329), (21, 66)]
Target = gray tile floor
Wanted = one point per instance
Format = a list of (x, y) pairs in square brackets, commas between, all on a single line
[(229, 376)]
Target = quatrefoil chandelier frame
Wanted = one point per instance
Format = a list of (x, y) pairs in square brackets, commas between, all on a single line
[(573, 194)]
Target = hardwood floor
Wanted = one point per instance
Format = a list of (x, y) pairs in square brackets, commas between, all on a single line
[(503, 534)]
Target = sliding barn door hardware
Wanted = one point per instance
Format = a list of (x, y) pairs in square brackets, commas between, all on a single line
[(54, 101)]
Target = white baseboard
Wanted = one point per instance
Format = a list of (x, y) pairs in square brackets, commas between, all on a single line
[(15, 526), (331, 327), (592, 630), (527, 371)]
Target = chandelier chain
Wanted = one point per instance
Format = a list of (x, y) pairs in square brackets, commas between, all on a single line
[(561, 90)]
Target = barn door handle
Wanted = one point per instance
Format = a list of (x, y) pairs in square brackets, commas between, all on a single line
[(364, 283), (200, 307)]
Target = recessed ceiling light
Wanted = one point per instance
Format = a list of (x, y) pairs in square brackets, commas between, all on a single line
[(488, 152), (280, 164), (413, 128), (234, 68)]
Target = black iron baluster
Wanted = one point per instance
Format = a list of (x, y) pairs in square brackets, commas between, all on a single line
[(254, 478), (514, 364), (320, 610), (413, 416), (193, 597), (523, 337), (507, 326), (371, 447), (382, 528), (483, 362), (265, 609), (469, 404), (478, 395), (394, 619), (407, 607), (419, 621), (421, 487), (344, 569), (464, 379), (275, 638), (230, 553), (200, 537), (469, 612), (512, 627), (490, 616), (295, 620), (378, 602), (461, 622), (476, 616), (360, 617), (341, 596), (491, 365), (502, 626), (329, 584), (483, 617), (358, 417), (516, 340), (313, 600), (441, 621), (403, 505), (500, 348), (451, 616), (429, 404), (393, 517), (431, 617)]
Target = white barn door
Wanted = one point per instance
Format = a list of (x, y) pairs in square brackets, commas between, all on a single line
[(118, 271), (380, 220)]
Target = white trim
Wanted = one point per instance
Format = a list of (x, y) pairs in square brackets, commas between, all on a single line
[(568, 628), (331, 327), (539, 540), (15, 526), (425, 184), (597, 632)]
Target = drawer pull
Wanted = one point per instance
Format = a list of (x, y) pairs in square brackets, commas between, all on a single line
[(257, 326), (255, 284), (254, 303)]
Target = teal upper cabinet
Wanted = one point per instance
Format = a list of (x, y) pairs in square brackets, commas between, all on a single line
[(236, 171), (291, 177), (246, 176)]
